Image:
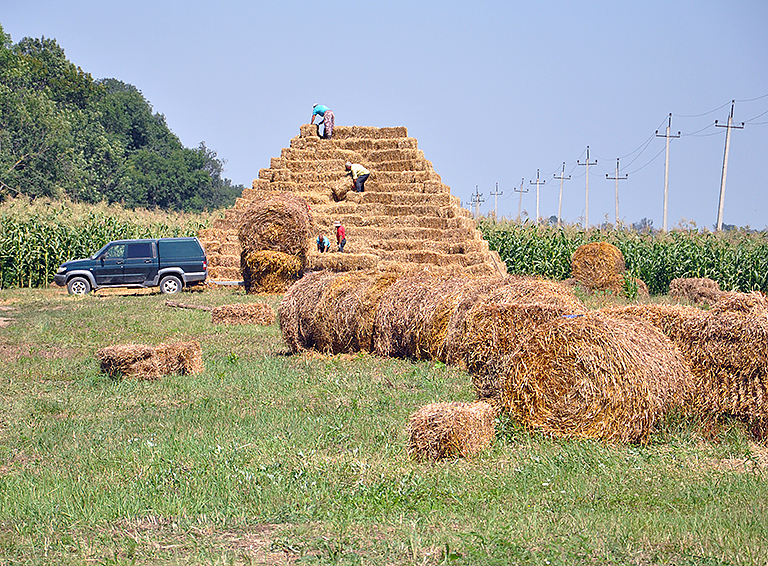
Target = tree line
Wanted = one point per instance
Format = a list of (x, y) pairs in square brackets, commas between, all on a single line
[(64, 134)]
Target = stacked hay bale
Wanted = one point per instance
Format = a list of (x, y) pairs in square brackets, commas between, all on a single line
[(244, 313), (599, 266), (450, 430), (593, 376), (274, 233), (698, 290), (727, 352), (149, 363)]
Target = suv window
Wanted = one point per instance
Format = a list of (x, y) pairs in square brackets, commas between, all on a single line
[(139, 250), (179, 249), (115, 252)]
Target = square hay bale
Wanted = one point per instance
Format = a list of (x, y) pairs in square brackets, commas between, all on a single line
[(269, 272), (698, 290), (149, 363), (599, 266), (594, 376), (450, 430), (345, 261), (258, 313)]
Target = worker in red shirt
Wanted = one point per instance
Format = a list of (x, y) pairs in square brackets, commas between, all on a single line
[(340, 235)]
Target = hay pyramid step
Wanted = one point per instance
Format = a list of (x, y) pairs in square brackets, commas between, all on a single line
[(406, 218)]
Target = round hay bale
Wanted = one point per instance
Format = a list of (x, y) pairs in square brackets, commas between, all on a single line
[(297, 309), (593, 376), (492, 331), (440, 308), (450, 430), (753, 303), (698, 290), (599, 266), (394, 327), (346, 311), (278, 222), (258, 313), (527, 289), (268, 272)]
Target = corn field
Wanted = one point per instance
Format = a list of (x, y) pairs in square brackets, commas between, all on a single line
[(737, 260), (36, 237)]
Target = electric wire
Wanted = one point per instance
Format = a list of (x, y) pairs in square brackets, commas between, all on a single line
[(705, 113), (647, 164)]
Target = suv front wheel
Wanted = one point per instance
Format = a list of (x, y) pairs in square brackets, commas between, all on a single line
[(170, 285), (78, 286)]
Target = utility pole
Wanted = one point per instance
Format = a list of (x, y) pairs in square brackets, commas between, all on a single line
[(496, 201), (520, 202), (624, 178), (666, 168), (538, 182), (586, 209), (476, 200), (562, 178), (729, 127)]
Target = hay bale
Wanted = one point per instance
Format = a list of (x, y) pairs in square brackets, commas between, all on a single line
[(491, 331), (346, 311), (593, 376), (148, 363), (394, 327), (727, 352), (450, 430), (336, 261), (340, 188), (698, 290), (440, 310), (128, 360), (297, 309), (278, 222), (244, 313), (528, 289), (599, 266), (753, 303), (182, 358), (268, 272)]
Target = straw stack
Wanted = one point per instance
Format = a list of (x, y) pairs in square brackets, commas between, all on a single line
[(753, 303), (450, 430), (258, 313), (593, 376), (599, 266)]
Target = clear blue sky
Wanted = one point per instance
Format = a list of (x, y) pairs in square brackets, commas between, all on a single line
[(492, 90)]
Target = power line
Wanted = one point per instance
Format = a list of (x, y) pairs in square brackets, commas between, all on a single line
[(586, 210), (752, 99), (538, 182), (520, 202), (666, 167), (703, 114), (728, 127), (562, 178), (617, 178)]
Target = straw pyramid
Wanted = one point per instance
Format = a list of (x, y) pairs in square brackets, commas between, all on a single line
[(405, 219)]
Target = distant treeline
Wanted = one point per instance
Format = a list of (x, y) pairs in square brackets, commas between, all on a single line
[(63, 134), (736, 259)]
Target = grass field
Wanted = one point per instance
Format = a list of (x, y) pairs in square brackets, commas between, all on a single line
[(271, 458)]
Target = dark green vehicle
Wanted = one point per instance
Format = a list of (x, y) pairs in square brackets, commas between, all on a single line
[(170, 263)]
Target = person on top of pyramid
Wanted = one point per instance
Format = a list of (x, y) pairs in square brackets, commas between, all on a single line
[(327, 115), (359, 175)]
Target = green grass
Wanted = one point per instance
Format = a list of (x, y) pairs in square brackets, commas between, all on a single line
[(268, 457)]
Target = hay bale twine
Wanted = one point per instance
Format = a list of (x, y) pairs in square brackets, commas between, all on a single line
[(599, 266), (297, 309), (593, 376), (698, 290), (258, 313), (268, 272), (346, 311), (278, 222), (450, 430), (491, 331)]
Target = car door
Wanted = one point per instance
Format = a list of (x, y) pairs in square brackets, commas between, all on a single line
[(109, 266), (139, 262)]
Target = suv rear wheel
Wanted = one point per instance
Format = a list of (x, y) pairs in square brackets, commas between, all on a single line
[(170, 285), (78, 286)]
